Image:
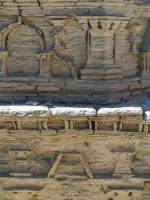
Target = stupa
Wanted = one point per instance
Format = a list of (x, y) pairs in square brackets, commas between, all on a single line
[(74, 99)]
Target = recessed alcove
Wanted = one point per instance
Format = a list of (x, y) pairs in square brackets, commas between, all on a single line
[(23, 43), (31, 125), (6, 125), (105, 125), (56, 124), (80, 124), (131, 127)]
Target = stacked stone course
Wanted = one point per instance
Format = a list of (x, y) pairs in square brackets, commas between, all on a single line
[(63, 63)]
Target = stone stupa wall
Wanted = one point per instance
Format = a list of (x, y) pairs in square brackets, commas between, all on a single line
[(74, 51)]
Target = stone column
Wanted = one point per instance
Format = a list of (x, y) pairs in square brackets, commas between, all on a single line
[(3, 58), (45, 63), (146, 60)]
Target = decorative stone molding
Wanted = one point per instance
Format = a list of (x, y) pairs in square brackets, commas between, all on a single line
[(146, 59), (110, 120)]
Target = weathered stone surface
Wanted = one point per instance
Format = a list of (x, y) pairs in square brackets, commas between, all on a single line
[(23, 111), (72, 111), (120, 111), (55, 54), (147, 115)]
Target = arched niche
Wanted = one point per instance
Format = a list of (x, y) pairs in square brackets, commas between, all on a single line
[(22, 44)]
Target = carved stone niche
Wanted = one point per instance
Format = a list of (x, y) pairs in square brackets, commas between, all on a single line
[(101, 47), (123, 161), (21, 43)]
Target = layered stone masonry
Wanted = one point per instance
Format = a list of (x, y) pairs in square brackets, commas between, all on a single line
[(80, 54), (74, 52), (58, 121), (74, 118), (41, 144)]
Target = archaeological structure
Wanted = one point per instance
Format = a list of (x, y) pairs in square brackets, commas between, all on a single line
[(74, 99)]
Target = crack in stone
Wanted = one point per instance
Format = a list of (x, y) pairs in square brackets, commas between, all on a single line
[(39, 3)]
